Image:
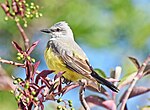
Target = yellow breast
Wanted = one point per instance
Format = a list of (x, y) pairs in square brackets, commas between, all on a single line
[(55, 63)]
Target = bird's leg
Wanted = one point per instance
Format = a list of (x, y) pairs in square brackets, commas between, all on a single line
[(66, 81), (83, 83)]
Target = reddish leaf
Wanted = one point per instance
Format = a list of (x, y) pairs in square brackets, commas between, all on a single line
[(68, 88), (147, 70), (43, 74), (18, 48), (108, 104), (136, 91), (95, 99), (50, 96), (32, 47), (93, 87), (28, 70), (58, 75), (35, 68), (135, 62), (97, 88), (36, 64)]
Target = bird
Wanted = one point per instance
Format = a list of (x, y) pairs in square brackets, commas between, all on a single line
[(63, 54)]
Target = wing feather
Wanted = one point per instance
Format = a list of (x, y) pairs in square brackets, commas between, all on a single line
[(73, 58)]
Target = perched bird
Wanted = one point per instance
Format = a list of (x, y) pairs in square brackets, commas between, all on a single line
[(63, 54)]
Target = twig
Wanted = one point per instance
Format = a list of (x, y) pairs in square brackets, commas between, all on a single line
[(137, 77), (24, 36), (81, 96), (6, 10), (12, 63)]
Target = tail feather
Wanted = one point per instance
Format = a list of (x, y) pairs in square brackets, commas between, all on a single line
[(104, 82)]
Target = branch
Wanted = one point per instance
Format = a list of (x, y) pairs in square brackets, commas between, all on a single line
[(81, 96), (12, 63), (137, 77), (24, 36)]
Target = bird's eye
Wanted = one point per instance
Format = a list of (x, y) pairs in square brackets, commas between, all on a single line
[(58, 29)]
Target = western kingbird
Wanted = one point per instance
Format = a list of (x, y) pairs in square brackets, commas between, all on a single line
[(63, 54)]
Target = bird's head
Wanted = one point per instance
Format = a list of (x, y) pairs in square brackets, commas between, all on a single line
[(59, 30)]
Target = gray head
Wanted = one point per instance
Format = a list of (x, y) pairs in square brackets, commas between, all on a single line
[(59, 30)]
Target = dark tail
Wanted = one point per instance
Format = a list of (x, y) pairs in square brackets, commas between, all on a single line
[(104, 82)]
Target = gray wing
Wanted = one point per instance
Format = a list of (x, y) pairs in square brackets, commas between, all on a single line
[(72, 55), (78, 62)]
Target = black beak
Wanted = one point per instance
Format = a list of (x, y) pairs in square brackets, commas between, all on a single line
[(46, 30)]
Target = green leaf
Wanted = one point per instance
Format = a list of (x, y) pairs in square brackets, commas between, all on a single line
[(100, 72), (127, 79)]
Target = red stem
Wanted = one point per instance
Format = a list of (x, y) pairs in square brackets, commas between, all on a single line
[(24, 36), (137, 77)]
